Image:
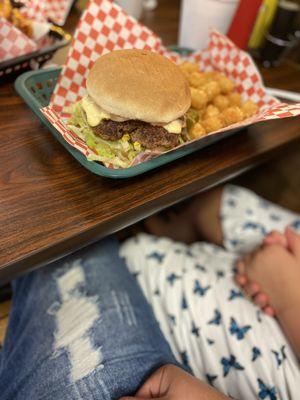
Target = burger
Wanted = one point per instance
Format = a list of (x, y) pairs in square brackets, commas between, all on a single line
[(136, 102)]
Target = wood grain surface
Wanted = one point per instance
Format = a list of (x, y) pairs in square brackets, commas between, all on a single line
[(51, 206)]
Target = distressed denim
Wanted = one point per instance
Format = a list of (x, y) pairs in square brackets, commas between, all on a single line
[(80, 328)]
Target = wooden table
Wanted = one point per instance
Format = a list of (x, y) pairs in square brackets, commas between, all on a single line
[(51, 206)]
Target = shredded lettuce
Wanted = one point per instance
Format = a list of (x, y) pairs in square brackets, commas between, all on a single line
[(119, 153)]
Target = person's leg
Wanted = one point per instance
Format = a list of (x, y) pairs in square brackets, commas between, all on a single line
[(224, 338), (231, 216), (199, 220), (247, 219), (80, 328)]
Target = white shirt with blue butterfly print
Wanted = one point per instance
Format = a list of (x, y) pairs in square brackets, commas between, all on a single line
[(224, 338)]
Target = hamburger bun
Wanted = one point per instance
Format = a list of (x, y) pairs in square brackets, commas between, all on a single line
[(139, 85)]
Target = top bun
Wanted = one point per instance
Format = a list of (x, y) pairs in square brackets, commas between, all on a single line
[(139, 84)]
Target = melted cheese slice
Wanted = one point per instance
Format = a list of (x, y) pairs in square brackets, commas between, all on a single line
[(174, 126), (96, 114)]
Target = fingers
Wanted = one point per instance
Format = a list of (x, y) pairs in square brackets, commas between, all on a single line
[(269, 311), (261, 300), (152, 388), (293, 240), (142, 398), (252, 289), (241, 267), (276, 237), (241, 280)]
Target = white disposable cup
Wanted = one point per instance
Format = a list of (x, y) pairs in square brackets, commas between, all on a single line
[(198, 16), (132, 7)]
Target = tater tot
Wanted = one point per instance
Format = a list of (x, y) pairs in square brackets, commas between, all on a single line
[(232, 115), (212, 89), (201, 113), (196, 79), (225, 84), (211, 111), (235, 99), (211, 75), (197, 131), (189, 67), (212, 124), (221, 102), (249, 108), (199, 98)]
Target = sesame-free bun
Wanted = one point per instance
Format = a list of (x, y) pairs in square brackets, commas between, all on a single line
[(139, 84)]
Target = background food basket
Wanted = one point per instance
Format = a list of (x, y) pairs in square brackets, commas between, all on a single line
[(12, 67)]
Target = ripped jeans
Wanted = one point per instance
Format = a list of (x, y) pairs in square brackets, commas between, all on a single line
[(80, 328)]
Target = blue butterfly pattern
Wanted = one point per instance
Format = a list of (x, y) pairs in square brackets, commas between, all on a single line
[(229, 363), (201, 290), (184, 305), (234, 242), (235, 294), (240, 332), (217, 318), (172, 278), (178, 251), (256, 353), (263, 204), (185, 359), (275, 217), (195, 330), (258, 316), (254, 226), (200, 267), (231, 202), (280, 356), (266, 392), (159, 257), (211, 378), (220, 274), (172, 318), (296, 224), (189, 253)]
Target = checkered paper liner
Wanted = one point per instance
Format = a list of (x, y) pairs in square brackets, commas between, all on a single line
[(13, 42), (43, 10), (104, 27)]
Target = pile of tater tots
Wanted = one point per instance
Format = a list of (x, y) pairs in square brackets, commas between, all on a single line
[(215, 102)]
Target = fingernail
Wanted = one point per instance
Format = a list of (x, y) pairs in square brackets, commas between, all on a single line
[(269, 311), (241, 279)]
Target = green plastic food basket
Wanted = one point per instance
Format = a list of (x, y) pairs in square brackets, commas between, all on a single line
[(36, 87)]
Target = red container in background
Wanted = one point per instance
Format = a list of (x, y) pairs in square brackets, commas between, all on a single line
[(243, 22)]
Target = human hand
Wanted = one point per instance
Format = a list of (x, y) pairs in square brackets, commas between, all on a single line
[(172, 383), (271, 274)]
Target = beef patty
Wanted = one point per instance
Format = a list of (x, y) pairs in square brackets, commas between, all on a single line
[(149, 136)]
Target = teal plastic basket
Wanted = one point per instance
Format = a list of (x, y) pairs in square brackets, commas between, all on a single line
[(36, 87)]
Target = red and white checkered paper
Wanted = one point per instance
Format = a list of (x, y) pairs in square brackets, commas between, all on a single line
[(43, 10), (13, 42), (104, 27)]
